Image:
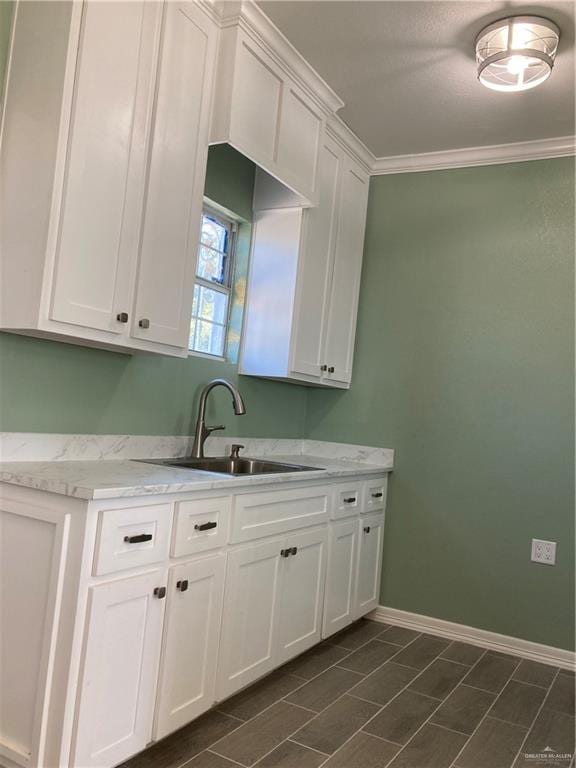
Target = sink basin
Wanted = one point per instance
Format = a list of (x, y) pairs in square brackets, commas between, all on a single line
[(231, 466)]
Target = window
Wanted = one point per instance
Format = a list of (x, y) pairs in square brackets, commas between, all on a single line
[(211, 304)]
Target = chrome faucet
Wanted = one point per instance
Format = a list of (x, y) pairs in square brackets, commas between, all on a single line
[(202, 431)]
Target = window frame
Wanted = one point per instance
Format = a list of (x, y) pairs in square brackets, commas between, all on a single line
[(226, 287)]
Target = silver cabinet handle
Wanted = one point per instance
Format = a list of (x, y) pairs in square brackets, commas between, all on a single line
[(122, 317), (331, 369), (323, 367), (367, 529), (144, 323)]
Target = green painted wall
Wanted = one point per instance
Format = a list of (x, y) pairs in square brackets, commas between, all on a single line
[(465, 365), (47, 386)]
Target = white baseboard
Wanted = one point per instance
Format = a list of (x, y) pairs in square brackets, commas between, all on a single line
[(545, 654)]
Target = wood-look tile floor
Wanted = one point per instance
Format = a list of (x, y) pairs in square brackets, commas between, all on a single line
[(375, 696)]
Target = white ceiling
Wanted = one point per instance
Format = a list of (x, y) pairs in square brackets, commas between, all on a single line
[(407, 75)]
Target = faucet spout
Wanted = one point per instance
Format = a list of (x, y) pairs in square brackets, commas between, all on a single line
[(202, 431)]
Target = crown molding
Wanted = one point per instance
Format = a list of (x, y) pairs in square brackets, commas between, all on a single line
[(253, 20), (345, 136), (496, 154)]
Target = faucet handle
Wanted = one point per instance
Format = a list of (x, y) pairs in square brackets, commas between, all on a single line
[(235, 450), (213, 429)]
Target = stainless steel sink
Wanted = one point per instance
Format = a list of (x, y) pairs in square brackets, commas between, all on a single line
[(228, 465)]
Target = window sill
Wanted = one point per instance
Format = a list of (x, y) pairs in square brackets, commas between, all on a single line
[(206, 356)]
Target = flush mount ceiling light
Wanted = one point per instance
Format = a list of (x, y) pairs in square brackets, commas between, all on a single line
[(516, 53)]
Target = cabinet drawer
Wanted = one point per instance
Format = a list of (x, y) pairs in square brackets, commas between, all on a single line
[(200, 525), (375, 494), (264, 514), (131, 537), (346, 500)]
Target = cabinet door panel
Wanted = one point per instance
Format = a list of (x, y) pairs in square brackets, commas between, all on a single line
[(301, 127), (119, 671), (250, 618), (255, 109), (314, 268), (341, 576), (370, 542), (302, 593), (173, 208), (97, 241), (346, 275), (188, 672)]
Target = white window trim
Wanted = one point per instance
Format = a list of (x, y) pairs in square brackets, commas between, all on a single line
[(227, 286)]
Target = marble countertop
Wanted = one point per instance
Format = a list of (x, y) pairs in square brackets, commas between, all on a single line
[(105, 479)]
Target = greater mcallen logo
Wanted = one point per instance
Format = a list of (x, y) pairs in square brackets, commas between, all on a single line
[(547, 754)]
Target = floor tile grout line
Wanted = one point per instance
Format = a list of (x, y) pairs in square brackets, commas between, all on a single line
[(227, 758), (482, 719), (536, 716), (306, 746), (383, 706)]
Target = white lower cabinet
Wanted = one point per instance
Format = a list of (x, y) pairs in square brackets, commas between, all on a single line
[(302, 593), (119, 671), (370, 543), (187, 683), (153, 610), (339, 607), (250, 619)]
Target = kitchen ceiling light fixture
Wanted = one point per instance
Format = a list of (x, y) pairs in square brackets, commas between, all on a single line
[(516, 53)]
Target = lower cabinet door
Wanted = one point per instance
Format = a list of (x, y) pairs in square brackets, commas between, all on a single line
[(187, 685), (302, 592), (339, 600), (250, 619), (370, 542), (119, 671)]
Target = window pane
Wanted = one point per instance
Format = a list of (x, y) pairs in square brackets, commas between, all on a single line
[(209, 338), (214, 234), (212, 306), (196, 300), (211, 265), (192, 332)]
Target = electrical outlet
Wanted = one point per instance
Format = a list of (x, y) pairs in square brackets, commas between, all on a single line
[(543, 552)]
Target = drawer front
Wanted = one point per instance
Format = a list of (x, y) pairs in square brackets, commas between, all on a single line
[(375, 494), (346, 499), (201, 525), (131, 537), (271, 512)]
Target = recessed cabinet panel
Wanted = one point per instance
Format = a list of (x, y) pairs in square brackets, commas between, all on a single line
[(341, 327), (314, 273), (187, 684), (173, 206), (120, 667), (302, 595), (250, 622), (301, 127), (341, 577), (375, 494), (370, 542), (255, 107), (95, 249)]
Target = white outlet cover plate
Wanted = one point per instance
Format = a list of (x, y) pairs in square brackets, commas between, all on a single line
[(543, 552)]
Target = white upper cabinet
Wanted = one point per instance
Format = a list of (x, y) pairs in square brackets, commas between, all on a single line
[(269, 103), (305, 276), (103, 153)]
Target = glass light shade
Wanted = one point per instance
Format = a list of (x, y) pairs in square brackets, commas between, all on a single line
[(517, 53)]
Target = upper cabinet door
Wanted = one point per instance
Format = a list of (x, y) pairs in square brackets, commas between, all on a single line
[(120, 667), (341, 328), (101, 196), (256, 98), (314, 269), (299, 137), (175, 185)]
